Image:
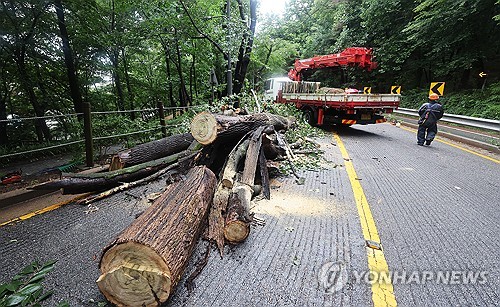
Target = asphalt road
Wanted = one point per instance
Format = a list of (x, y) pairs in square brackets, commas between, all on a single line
[(435, 209)]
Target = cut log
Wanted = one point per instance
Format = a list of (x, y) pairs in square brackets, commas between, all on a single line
[(146, 261), (216, 219), (237, 224), (207, 127), (152, 151), (77, 184), (221, 197)]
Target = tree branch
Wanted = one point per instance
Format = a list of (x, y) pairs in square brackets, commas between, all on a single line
[(201, 32)]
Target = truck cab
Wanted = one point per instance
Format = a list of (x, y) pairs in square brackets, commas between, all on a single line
[(272, 86)]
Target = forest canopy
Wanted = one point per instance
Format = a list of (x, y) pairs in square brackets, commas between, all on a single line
[(57, 55)]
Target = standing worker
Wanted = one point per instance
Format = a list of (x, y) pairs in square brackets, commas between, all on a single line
[(430, 113)]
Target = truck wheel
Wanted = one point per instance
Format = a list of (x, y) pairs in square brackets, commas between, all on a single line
[(308, 117)]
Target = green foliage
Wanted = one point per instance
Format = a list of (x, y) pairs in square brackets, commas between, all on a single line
[(476, 103), (25, 288), (298, 134), (415, 42)]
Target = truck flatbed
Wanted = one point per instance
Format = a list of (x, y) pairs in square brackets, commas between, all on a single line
[(342, 101)]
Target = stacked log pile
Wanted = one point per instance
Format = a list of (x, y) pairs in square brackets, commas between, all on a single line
[(144, 263), (300, 87)]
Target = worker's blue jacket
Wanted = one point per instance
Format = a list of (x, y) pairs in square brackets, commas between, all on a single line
[(430, 113)]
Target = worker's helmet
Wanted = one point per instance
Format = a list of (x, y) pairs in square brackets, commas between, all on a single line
[(433, 96)]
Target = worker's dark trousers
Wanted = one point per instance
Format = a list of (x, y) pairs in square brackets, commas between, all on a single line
[(426, 134)]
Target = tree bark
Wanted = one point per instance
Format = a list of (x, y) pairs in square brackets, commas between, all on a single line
[(114, 57), (116, 77), (207, 127), (237, 225), (252, 156), (233, 160), (264, 175), (216, 217), (221, 197), (144, 263), (166, 53), (74, 85), (5, 94), (102, 181), (152, 150), (245, 47), (185, 99), (128, 83)]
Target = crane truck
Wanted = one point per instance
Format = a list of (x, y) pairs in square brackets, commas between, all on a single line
[(322, 106)]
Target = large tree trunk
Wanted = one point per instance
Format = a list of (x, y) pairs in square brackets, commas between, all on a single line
[(41, 129), (74, 85), (166, 51), (246, 47), (4, 95), (129, 85), (114, 57), (144, 264), (185, 100), (116, 78), (152, 150), (207, 127)]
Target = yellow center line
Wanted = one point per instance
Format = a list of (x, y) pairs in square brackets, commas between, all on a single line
[(456, 146), (44, 210), (382, 291)]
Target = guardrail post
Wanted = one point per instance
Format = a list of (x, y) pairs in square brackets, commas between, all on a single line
[(87, 131), (161, 112)]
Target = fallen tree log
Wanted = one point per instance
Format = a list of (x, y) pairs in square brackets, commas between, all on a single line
[(233, 160), (151, 150), (221, 196), (144, 263), (237, 223), (207, 127), (216, 218), (77, 184), (183, 163)]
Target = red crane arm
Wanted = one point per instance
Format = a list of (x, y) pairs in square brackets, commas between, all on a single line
[(355, 56)]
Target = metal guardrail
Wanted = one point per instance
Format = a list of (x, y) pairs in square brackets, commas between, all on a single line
[(475, 122)]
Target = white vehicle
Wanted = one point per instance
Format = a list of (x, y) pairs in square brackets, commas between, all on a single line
[(273, 85)]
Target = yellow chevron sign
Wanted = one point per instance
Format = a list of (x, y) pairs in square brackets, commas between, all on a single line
[(396, 89), (367, 90), (437, 88)]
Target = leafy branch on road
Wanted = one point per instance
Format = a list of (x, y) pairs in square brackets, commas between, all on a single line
[(25, 288)]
